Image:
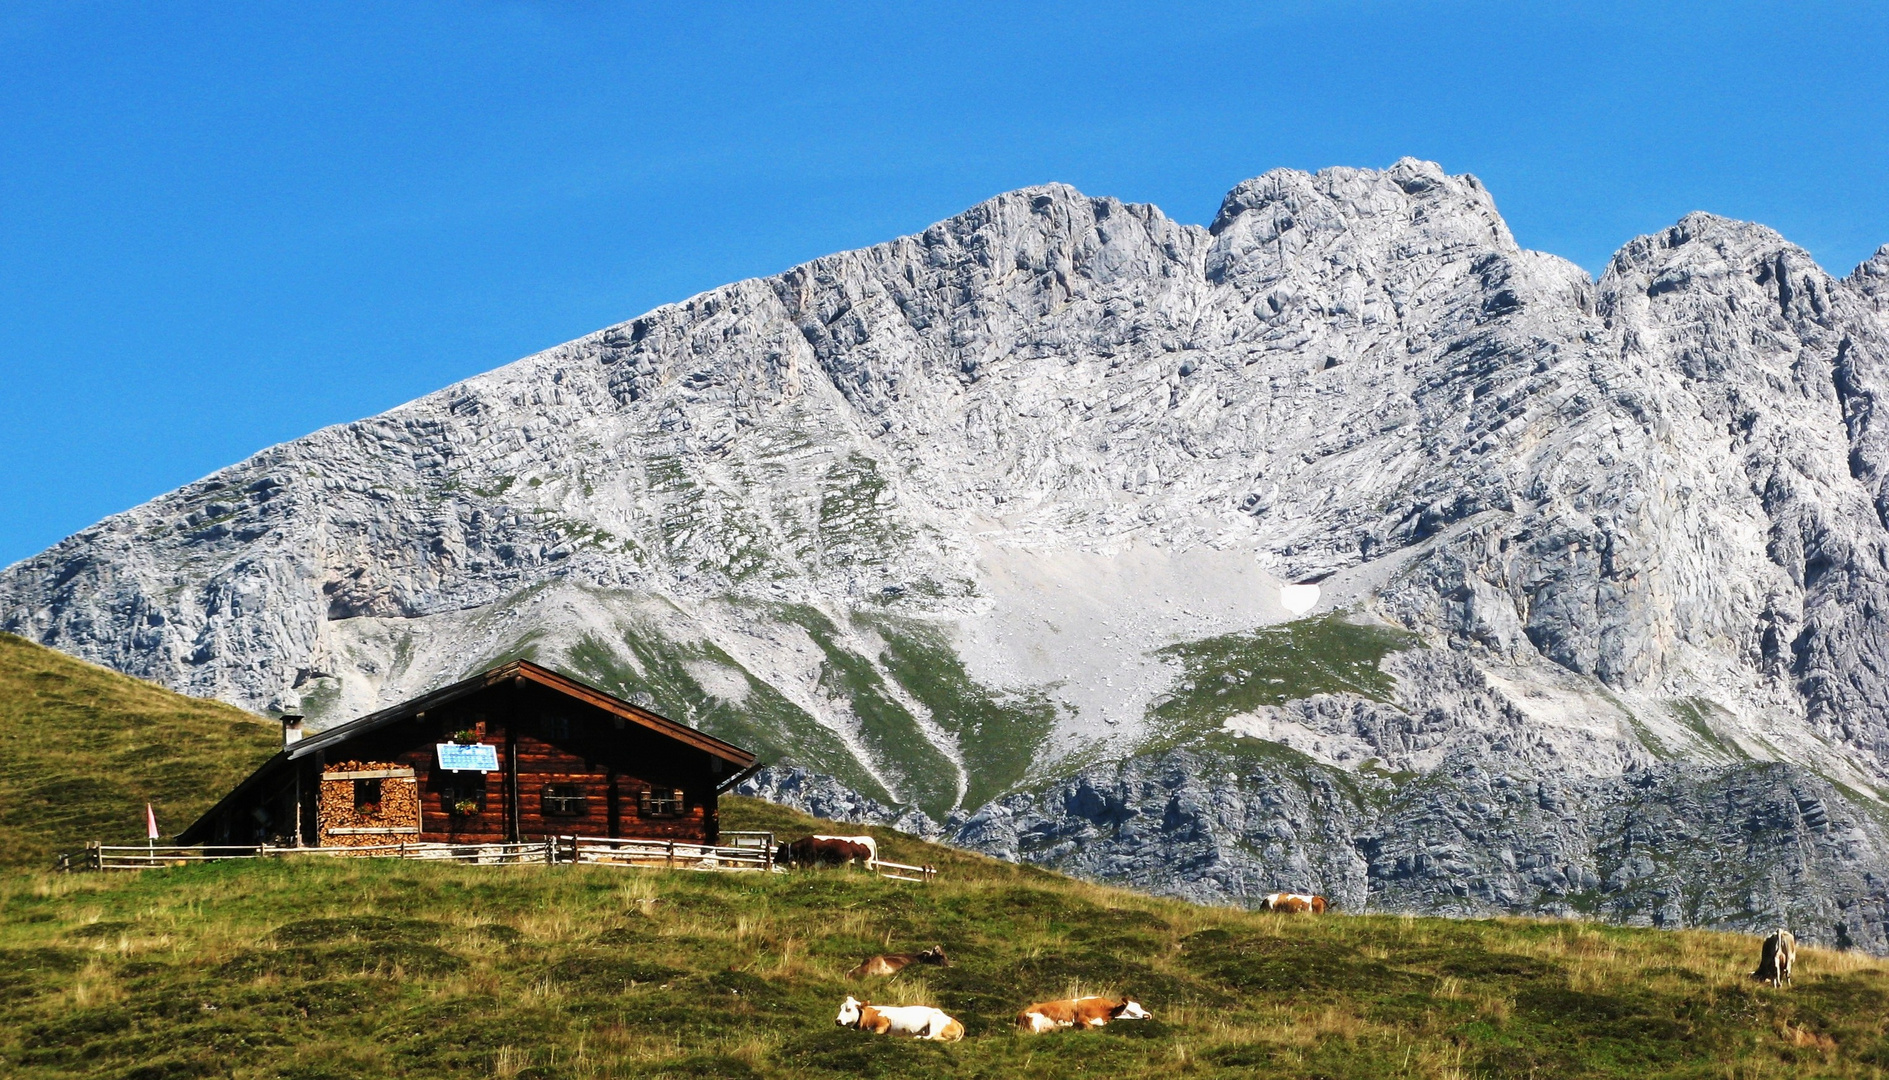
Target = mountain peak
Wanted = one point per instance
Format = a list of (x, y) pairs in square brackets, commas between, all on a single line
[(1871, 278)]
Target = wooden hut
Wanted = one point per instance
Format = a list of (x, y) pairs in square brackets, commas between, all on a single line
[(514, 754)]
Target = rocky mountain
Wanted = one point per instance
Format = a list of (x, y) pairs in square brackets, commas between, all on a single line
[(987, 525)]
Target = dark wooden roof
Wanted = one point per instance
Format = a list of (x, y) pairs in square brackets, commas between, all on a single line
[(518, 671), (524, 671)]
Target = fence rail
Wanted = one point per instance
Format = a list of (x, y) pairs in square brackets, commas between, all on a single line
[(902, 872), (745, 851), (614, 851)]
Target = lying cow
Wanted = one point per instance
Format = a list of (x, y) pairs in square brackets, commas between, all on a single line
[(917, 1021), (1294, 903), (1777, 958), (1088, 1012), (823, 851), (893, 963)]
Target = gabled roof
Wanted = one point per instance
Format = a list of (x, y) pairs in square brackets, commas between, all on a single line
[(518, 671), (523, 671)]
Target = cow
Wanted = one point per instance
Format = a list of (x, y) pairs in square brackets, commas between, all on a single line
[(1776, 959), (822, 851), (1087, 1012), (917, 1021), (871, 845), (893, 963), (1294, 903)]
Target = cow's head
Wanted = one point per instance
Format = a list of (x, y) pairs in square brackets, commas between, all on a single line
[(934, 955), (1130, 1009), (849, 1013)]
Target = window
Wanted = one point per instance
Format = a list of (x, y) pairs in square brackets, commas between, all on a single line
[(463, 796), (557, 727), (660, 802), (565, 800), (367, 796)]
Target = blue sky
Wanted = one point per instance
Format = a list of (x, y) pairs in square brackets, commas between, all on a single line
[(229, 225)]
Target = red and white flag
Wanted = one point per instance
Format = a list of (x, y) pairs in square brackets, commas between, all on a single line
[(150, 822)]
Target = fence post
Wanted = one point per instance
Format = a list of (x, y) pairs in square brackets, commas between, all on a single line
[(672, 854)]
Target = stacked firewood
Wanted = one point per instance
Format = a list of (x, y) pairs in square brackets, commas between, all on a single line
[(338, 817)]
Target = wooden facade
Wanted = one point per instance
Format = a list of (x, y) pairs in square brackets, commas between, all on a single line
[(567, 759)]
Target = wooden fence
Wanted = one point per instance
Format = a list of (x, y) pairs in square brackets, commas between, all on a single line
[(609, 851), (744, 851)]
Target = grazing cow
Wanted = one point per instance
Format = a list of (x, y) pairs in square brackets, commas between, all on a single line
[(822, 851), (893, 963), (917, 1021), (1777, 958), (1294, 903), (1088, 1012), (871, 845)]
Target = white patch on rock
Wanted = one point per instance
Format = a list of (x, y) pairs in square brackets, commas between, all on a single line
[(1298, 599)]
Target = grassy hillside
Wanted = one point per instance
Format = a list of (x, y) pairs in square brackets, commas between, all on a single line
[(82, 749), (366, 969)]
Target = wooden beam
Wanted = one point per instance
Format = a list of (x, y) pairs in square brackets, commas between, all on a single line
[(370, 774)]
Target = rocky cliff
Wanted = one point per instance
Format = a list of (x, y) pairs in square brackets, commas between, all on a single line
[(988, 523)]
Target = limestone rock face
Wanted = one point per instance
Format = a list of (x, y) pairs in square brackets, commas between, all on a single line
[(971, 519)]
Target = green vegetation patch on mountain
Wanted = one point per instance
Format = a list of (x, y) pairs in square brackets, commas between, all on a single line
[(927, 778), (998, 735), (761, 720), (855, 529), (1236, 673), (82, 749), (1697, 714), (356, 968), (705, 526)]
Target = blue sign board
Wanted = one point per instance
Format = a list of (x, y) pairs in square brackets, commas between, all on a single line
[(478, 757)]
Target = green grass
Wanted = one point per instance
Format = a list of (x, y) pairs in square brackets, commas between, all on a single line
[(364, 968), (1237, 673), (82, 749)]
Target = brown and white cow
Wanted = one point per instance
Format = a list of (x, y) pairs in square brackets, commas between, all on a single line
[(823, 851), (1777, 958), (893, 963), (871, 845), (1086, 1012), (1294, 903), (915, 1021)]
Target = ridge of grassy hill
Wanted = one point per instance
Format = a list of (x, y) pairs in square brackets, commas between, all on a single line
[(82, 749), (313, 967)]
